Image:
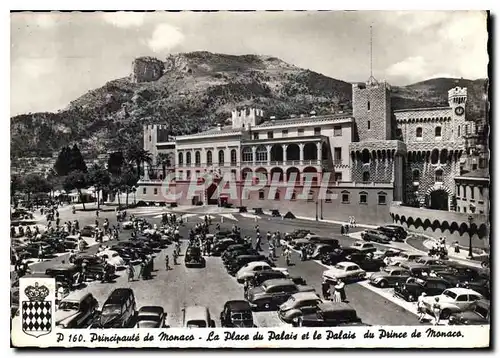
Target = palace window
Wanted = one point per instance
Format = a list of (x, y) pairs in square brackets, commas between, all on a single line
[(300, 131), (419, 132), (345, 197), (365, 156), (261, 154), (317, 131), (439, 176), (328, 198), (472, 192), (144, 190), (382, 200), (437, 132), (416, 176), (338, 176), (188, 158), (337, 155), (284, 133), (337, 131), (261, 194), (221, 157), (155, 191), (458, 128), (458, 190), (366, 176), (363, 197), (188, 174), (209, 157), (368, 106), (180, 175), (255, 135), (150, 138), (369, 124), (247, 154), (277, 195), (181, 158), (270, 135), (197, 157), (233, 157)]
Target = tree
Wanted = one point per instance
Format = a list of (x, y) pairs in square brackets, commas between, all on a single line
[(165, 161), (61, 166), (129, 181), (76, 180), (115, 163), (34, 183), (99, 178), (138, 156)]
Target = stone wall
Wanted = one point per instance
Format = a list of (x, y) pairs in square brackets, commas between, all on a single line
[(147, 69)]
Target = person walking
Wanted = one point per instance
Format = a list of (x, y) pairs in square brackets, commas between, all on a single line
[(257, 243), (142, 273), (340, 287), (342, 230), (336, 298), (175, 257), (436, 309), (40, 253), (325, 289), (167, 265), (421, 307)]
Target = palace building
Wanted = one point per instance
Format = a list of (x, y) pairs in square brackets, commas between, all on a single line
[(378, 164)]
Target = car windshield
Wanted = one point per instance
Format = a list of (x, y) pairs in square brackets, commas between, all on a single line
[(340, 267), (148, 317), (449, 294), (68, 305), (386, 269), (241, 316), (196, 324), (109, 310)]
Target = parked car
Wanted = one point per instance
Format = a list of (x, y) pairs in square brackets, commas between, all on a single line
[(389, 252), (402, 257), (237, 313), (273, 293), (376, 236), (431, 262), (71, 242), (329, 314), (88, 230), (366, 263), (250, 269), (365, 246), (321, 250), (394, 232), (432, 286), (118, 310), (479, 314), (298, 243), (151, 317), (77, 311), (389, 276), (69, 275), (33, 249), (220, 246), (298, 304), (297, 234), (96, 267), (345, 271), (231, 255), (197, 317), (338, 255), (240, 261), (193, 257), (260, 277), (113, 258), (315, 239), (452, 300)]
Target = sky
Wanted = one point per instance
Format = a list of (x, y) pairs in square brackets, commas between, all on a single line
[(57, 57)]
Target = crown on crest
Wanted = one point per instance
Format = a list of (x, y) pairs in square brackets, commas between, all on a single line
[(36, 293)]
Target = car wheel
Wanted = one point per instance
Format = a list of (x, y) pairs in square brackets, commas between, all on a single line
[(445, 314), (411, 298), (383, 284)]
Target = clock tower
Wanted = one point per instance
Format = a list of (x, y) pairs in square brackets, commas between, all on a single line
[(457, 98)]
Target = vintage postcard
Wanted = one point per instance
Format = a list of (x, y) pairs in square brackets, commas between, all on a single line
[(250, 179)]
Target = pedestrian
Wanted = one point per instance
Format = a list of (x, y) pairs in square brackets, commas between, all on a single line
[(303, 253), (421, 307), (175, 257), (457, 247), (436, 309), (97, 213), (288, 256), (257, 244), (131, 272), (347, 229), (40, 253), (340, 287), (325, 289), (142, 272), (342, 230), (354, 221), (336, 297), (167, 265)]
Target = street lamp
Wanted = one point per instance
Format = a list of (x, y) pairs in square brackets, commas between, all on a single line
[(316, 210), (321, 209), (471, 219)]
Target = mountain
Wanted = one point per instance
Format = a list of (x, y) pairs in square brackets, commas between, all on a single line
[(193, 91)]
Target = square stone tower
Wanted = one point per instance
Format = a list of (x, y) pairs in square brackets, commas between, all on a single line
[(371, 105)]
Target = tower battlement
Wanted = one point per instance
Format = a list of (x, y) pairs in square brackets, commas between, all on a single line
[(246, 117)]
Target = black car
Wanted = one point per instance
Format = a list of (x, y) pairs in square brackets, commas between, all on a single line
[(95, 266), (68, 275), (414, 287), (366, 262), (76, 312), (234, 265), (375, 236), (479, 314), (235, 314), (235, 253), (33, 250), (119, 310), (193, 257), (330, 314), (394, 232), (221, 246), (338, 255), (260, 277), (151, 317), (234, 247)]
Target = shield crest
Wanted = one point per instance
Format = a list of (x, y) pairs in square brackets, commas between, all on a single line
[(36, 313)]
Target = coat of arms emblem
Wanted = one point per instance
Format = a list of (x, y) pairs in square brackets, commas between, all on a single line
[(36, 314)]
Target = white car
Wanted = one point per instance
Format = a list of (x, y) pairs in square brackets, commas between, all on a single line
[(453, 300), (251, 268), (402, 257), (113, 258), (345, 271), (364, 246), (127, 225)]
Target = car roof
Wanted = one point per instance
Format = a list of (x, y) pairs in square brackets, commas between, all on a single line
[(484, 303), (346, 263), (76, 296), (257, 263), (463, 291), (305, 296), (195, 312), (151, 310), (238, 305), (119, 295), (328, 306), (63, 267), (279, 281)]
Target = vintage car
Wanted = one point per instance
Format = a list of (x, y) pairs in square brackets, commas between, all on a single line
[(316, 239), (414, 287), (297, 234), (477, 279), (221, 245), (77, 311), (88, 231), (366, 262), (298, 243), (127, 225), (231, 255), (193, 257), (118, 310), (452, 300), (113, 258), (338, 255), (96, 267), (197, 317), (238, 262), (376, 236), (389, 276), (402, 257), (33, 249), (394, 232), (69, 275), (432, 263), (346, 271), (298, 304), (320, 250), (273, 293), (329, 314), (479, 314), (389, 252), (253, 267), (71, 242), (151, 317), (365, 246), (235, 314)]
